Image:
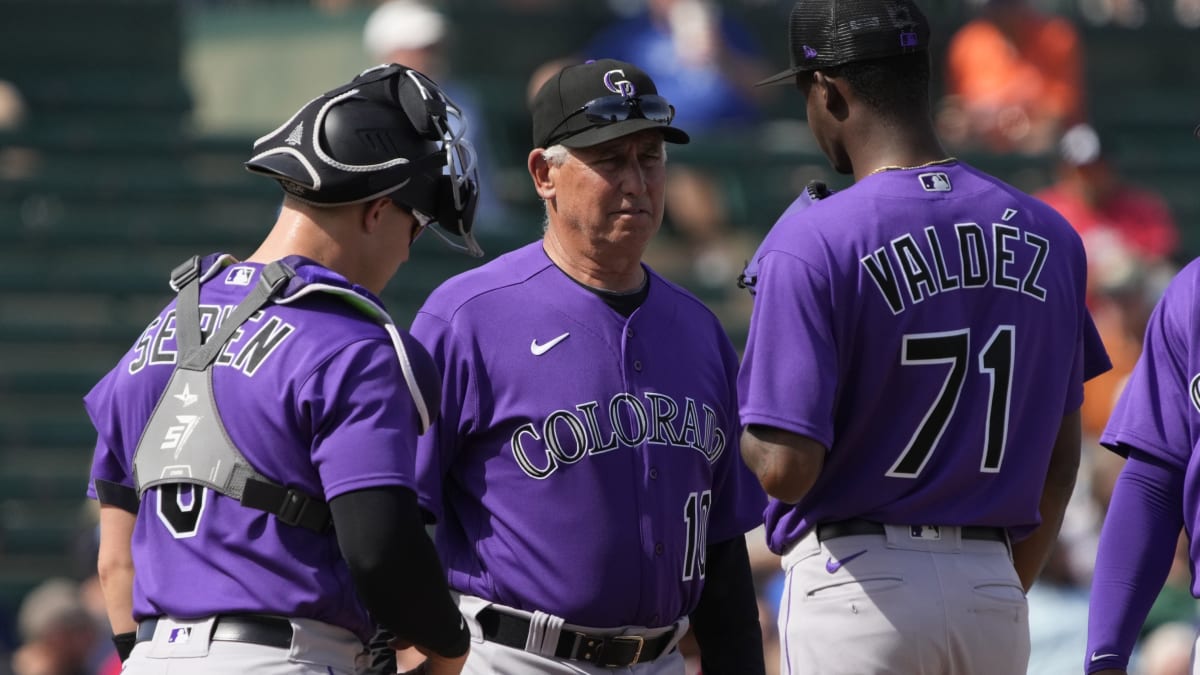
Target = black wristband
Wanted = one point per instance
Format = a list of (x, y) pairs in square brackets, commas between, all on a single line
[(124, 643)]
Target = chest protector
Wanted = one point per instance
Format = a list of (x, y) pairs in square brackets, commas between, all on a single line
[(185, 440)]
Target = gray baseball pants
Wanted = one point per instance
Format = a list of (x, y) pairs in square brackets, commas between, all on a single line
[(902, 603), (317, 649)]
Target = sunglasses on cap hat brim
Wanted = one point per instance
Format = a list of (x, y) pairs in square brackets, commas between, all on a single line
[(618, 108)]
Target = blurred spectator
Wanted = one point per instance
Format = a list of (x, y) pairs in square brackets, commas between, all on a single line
[(58, 634), (1098, 202), (1058, 607), (1014, 80), (705, 63), (12, 106), (1130, 238), (1167, 650), (414, 34)]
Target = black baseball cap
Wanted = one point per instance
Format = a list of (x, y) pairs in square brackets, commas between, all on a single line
[(828, 33), (556, 106)]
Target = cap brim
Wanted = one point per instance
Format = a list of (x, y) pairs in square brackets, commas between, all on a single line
[(784, 77), (608, 132)]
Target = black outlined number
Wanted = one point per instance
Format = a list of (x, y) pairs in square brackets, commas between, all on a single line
[(180, 507), (695, 517), (954, 348)]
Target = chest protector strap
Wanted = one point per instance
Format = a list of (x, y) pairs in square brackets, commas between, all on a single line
[(185, 440)]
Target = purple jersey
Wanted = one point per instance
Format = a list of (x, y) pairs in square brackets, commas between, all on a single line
[(308, 391), (929, 328), (1159, 409), (581, 460)]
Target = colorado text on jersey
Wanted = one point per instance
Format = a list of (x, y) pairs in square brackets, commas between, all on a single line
[(925, 271), (567, 436)]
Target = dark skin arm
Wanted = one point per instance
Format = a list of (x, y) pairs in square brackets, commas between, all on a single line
[(786, 464), (1030, 554)]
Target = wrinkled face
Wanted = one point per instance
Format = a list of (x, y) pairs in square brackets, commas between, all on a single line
[(612, 192)]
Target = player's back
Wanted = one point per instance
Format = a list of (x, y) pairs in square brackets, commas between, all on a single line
[(955, 312), (278, 386)]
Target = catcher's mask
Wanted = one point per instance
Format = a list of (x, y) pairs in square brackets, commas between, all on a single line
[(388, 132)]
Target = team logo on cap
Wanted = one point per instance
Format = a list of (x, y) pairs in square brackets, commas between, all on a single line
[(622, 87), (809, 52)]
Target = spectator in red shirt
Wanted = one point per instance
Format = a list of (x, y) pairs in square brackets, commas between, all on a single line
[(1104, 208)]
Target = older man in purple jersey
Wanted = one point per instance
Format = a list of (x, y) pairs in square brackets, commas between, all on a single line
[(913, 374), (1156, 427), (583, 470), (254, 461)]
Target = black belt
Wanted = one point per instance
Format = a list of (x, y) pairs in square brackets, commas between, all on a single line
[(271, 631), (605, 651), (847, 528)]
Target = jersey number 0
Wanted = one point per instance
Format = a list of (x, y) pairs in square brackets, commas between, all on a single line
[(995, 361)]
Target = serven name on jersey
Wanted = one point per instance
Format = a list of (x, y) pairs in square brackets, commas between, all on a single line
[(567, 436), (245, 354), (914, 267)]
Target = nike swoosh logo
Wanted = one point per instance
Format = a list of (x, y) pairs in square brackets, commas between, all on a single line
[(1097, 657), (538, 350), (832, 565)]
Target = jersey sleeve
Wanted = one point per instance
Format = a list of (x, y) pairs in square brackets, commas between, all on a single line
[(789, 372), (1153, 411), (437, 448), (363, 418), (109, 462), (738, 499)]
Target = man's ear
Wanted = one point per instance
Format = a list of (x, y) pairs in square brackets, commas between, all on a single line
[(541, 172), (372, 216), (833, 92)]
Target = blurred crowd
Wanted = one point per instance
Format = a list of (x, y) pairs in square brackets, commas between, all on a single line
[(1014, 85)]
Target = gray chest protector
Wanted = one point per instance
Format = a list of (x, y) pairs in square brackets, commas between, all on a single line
[(185, 440)]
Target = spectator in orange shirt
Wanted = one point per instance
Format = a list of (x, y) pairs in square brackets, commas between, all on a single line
[(1014, 80)]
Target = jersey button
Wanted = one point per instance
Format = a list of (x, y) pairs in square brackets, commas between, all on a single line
[(653, 474), (658, 549), (628, 332), (637, 365)]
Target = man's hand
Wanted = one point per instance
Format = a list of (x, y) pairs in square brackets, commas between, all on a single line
[(440, 665)]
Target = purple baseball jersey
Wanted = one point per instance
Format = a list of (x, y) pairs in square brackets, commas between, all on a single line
[(581, 460), (1159, 409), (312, 394), (927, 326)]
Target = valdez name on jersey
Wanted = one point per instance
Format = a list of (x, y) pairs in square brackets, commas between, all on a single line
[(986, 259)]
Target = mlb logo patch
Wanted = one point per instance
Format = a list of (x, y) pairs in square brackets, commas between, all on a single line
[(179, 635), (935, 182), (929, 532), (239, 276)]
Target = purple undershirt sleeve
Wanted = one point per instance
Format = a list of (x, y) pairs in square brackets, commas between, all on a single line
[(1137, 545)]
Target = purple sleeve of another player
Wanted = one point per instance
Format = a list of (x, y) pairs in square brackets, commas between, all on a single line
[(436, 448), (1155, 406), (363, 419), (108, 463), (789, 374), (1137, 545), (738, 499)]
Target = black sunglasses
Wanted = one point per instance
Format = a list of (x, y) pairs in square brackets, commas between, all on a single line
[(618, 108)]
